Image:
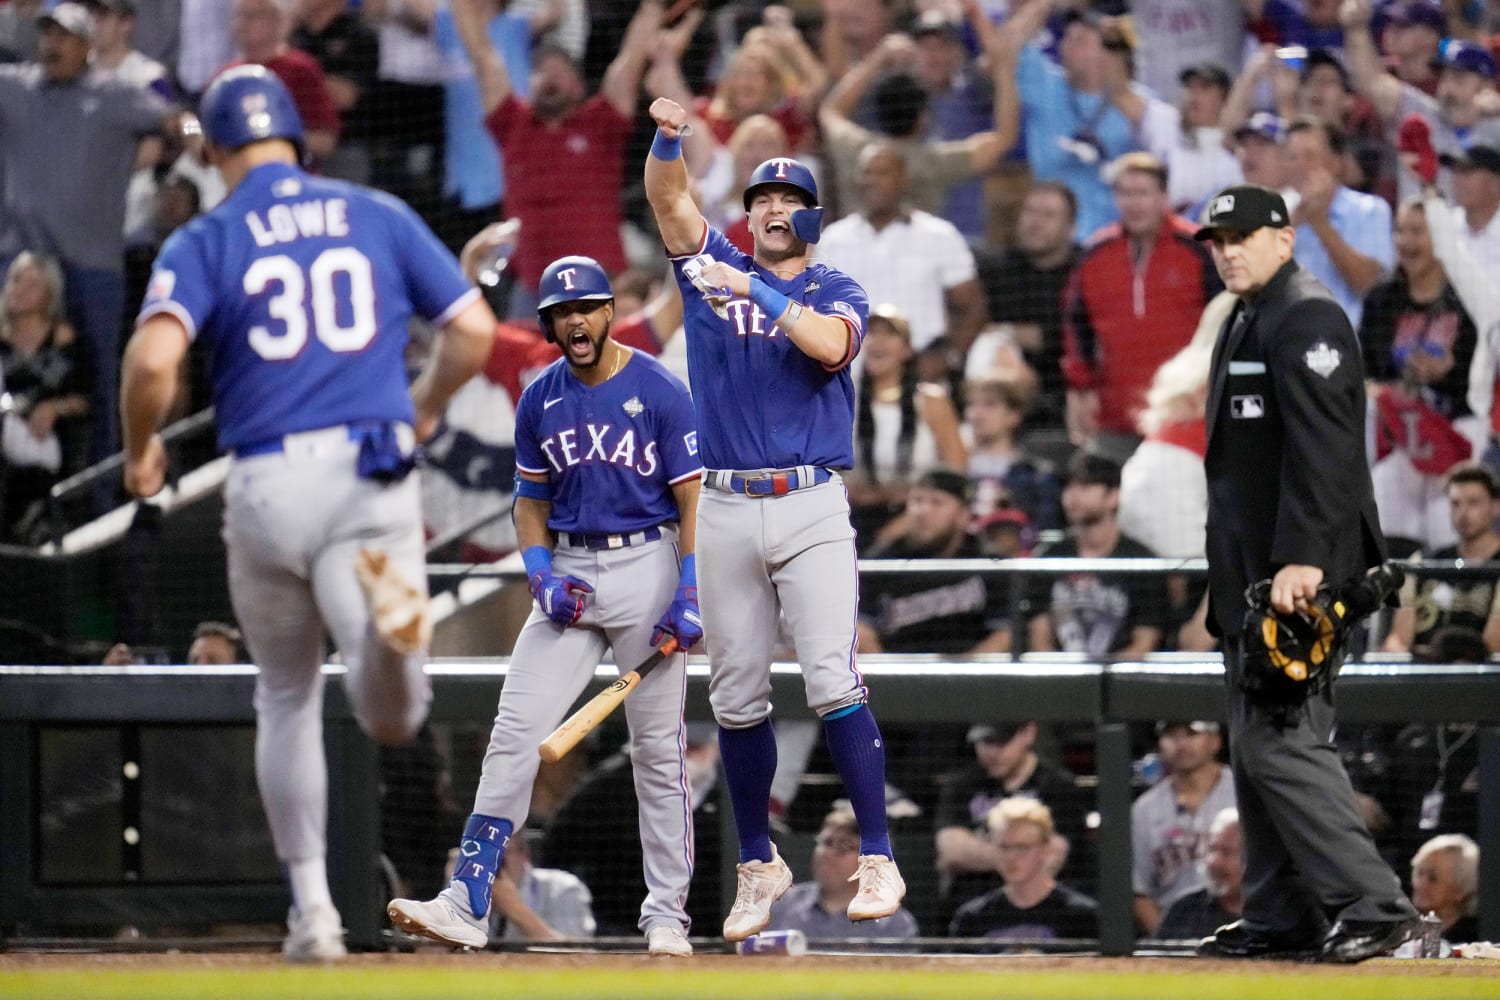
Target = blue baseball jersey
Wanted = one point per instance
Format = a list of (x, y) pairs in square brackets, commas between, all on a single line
[(301, 287), (762, 403), (612, 451)]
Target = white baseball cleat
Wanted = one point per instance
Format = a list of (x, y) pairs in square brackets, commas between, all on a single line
[(442, 919), (761, 883), (880, 888), (668, 940), (314, 935), (398, 609)]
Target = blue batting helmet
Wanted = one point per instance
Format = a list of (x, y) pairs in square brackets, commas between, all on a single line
[(569, 279), (807, 223), (247, 104)]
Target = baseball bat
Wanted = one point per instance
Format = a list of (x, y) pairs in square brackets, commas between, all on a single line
[(584, 721)]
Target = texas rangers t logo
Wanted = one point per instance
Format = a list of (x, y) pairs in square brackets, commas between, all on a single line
[(782, 163), (567, 277)]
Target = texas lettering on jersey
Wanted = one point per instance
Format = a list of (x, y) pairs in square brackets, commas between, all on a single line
[(763, 403), (606, 443), (613, 451)]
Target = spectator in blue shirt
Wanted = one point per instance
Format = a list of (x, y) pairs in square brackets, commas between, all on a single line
[(1072, 128), (1343, 236)]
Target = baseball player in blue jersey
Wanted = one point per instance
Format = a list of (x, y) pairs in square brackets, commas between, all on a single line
[(769, 342), (607, 477), (300, 289)]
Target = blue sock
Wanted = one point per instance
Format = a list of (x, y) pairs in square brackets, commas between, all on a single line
[(749, 757), (854, 744), (480, 852)]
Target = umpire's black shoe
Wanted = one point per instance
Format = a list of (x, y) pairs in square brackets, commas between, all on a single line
[(1352, 941), (1236, 941)]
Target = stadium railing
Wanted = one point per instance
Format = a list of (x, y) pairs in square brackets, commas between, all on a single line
[(177, 708)]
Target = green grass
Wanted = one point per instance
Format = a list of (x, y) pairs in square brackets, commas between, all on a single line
[(754, 979)]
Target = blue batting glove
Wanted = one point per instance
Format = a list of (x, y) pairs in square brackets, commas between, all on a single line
[(681, 620), (561, 598)]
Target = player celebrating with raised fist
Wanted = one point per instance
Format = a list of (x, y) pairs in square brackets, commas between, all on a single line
[(301, 289), (607, 477), (769, 340)]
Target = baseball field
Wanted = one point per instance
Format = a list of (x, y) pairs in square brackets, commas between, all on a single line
[(542, 976)]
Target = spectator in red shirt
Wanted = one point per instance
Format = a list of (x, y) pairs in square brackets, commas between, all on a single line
[(774, 73), (564, 150), (261, 29), (1134, 301)]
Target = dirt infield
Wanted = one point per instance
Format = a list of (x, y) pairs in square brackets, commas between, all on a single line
[(436, 973)]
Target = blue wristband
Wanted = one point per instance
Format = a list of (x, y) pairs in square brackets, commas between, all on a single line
[(771, 302), (533, 490), (665, 148), (689, 574), (538, 559)]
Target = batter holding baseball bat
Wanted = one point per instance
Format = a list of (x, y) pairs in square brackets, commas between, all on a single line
[(607, 478), (584, 721)]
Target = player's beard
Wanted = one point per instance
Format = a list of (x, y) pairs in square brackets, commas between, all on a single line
[(598, 353)]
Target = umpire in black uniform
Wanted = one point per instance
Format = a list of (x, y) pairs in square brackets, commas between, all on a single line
[(1289, 499)]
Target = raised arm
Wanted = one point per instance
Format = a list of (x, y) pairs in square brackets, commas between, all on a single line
[(893, 51), (471, 18), (546, 17), (1363, 62), (677, 215), (1239, 103), (812, 78), (622, 80), (1001, 52), (665, 79), (1025, 21), (1476, 291)]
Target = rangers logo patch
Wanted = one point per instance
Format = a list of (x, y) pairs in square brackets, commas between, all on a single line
[(810, 287), (1322, 359), (633, 406), (690, 440)]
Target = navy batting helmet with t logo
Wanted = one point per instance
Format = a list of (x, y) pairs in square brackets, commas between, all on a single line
[(247, 104), (569, 279), (807, 223)]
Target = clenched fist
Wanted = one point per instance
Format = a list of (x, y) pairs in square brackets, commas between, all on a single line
[(669, 116)]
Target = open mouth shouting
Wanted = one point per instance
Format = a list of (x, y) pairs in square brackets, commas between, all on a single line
[(582, 349)]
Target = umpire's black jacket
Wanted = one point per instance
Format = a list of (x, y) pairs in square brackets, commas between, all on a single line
[(1288, 480)]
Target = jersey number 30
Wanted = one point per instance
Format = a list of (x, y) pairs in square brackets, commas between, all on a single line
[(292, 306)]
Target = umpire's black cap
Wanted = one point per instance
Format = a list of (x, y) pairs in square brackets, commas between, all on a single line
[(1244, 208)]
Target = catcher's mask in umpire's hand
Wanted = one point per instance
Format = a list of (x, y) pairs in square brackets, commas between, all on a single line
[(1289, 656)]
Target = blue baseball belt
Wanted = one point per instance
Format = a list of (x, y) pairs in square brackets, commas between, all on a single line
[(768, 483)]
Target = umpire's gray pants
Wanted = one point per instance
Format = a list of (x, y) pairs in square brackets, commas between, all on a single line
[(1308, 856)]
